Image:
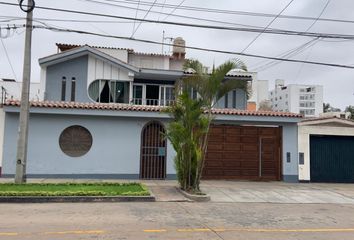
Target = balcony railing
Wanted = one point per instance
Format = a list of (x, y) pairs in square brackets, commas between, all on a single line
[(153, 102)]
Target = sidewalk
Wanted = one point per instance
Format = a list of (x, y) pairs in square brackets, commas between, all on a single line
[(241, 191)]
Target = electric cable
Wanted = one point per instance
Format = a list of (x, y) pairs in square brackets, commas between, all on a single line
[(190, 47)]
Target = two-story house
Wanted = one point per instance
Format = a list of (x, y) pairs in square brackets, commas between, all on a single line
[(101, 116)]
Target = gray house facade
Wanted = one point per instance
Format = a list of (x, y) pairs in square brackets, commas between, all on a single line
[(101, 116)]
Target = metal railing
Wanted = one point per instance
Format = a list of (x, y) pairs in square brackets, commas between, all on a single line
[(152, 102)]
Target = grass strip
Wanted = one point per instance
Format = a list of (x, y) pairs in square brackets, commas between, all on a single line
[(73, 189)]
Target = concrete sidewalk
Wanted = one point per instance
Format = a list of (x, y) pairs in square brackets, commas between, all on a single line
[(278, 192), (242, 191)]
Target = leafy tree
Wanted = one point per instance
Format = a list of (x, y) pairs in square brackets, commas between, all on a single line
[(326, 107), (188, 132), (265, 105), (350, 109)]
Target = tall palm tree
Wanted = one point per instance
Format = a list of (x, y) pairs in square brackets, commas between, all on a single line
[(188, 132)]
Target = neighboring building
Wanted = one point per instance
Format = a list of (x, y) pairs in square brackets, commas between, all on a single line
[(10, 89), (102, 116), (326, 150), (304, 99), (345, 115)]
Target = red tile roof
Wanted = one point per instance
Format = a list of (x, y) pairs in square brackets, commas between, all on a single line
[(144, 108)]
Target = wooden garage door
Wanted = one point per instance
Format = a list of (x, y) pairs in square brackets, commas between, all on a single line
[(242, 152)]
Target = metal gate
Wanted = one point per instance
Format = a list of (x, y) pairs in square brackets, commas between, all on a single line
[(331, 159), (153, 152)]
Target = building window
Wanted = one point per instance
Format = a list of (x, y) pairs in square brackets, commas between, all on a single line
[(286, 95), (73, 89), (75, 141), (63, 88), (234, 98), (107, 91), (138, 94), (226, 100)]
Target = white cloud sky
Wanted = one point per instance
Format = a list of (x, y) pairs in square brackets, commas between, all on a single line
[(338, 82)]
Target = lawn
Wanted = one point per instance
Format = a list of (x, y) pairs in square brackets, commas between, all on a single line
[(73, 189)]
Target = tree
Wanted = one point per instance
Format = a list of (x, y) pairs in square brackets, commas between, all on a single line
[(265, 105), (350, 109), (188, 132), (326, 107)]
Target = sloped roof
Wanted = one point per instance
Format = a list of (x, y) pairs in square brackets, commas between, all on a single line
[(81, 51), (144, 108), (65, 47)]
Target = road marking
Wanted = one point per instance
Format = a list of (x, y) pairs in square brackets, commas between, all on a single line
[(253, 230), (155, 230), (76, 232), (8, 234), (195, 230)]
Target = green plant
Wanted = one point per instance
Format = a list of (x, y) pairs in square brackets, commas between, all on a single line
[(188, 132)]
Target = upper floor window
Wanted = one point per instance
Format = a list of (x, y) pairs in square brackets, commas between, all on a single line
[(109, 91), (63, 88), (73, 89)]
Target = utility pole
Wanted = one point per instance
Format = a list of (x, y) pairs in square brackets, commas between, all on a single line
[(21, 157)]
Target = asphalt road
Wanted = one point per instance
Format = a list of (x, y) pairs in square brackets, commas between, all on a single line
[(177, 220)]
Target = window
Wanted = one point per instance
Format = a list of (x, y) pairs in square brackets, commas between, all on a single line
[(286, 95), (138, 94), (75, 141), (280, 98), (226, 100), (73, 89), (234, 98), (168, 95), (63, 88), (108, 91)]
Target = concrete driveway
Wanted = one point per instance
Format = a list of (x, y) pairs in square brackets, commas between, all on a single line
[(278, 192)]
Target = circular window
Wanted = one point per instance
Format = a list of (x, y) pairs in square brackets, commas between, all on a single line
[(75, 141)]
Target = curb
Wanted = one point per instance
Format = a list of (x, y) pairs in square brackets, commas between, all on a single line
[(195, 198), (73, 199)]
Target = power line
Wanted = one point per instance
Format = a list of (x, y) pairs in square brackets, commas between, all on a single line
[(268, 25), (268, 31), (191, 47), (174, 9), (8, 58), (143, 19), (136, 15), (273, 63), (175, 15), (223, 11)]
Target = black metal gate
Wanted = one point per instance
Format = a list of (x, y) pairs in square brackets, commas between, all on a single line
[(332, 159), (153, 152)]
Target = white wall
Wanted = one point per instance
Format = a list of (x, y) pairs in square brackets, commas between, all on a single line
[(98, 69), (14, 89), (147, 61), (262, 91), (304, 143), (120, 54)]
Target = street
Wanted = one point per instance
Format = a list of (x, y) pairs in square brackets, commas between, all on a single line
[(177, 220)]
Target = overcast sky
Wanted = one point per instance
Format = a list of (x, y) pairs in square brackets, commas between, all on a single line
[(338, 82)]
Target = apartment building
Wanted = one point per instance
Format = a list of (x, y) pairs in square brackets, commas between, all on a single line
[(297, 98)]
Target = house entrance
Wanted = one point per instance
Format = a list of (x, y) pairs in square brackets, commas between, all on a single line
[(153, 152)]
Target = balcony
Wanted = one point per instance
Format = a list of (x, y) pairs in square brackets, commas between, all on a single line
[(152, 102)]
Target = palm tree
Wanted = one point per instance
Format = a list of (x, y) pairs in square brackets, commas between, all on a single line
[(188, 132)]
